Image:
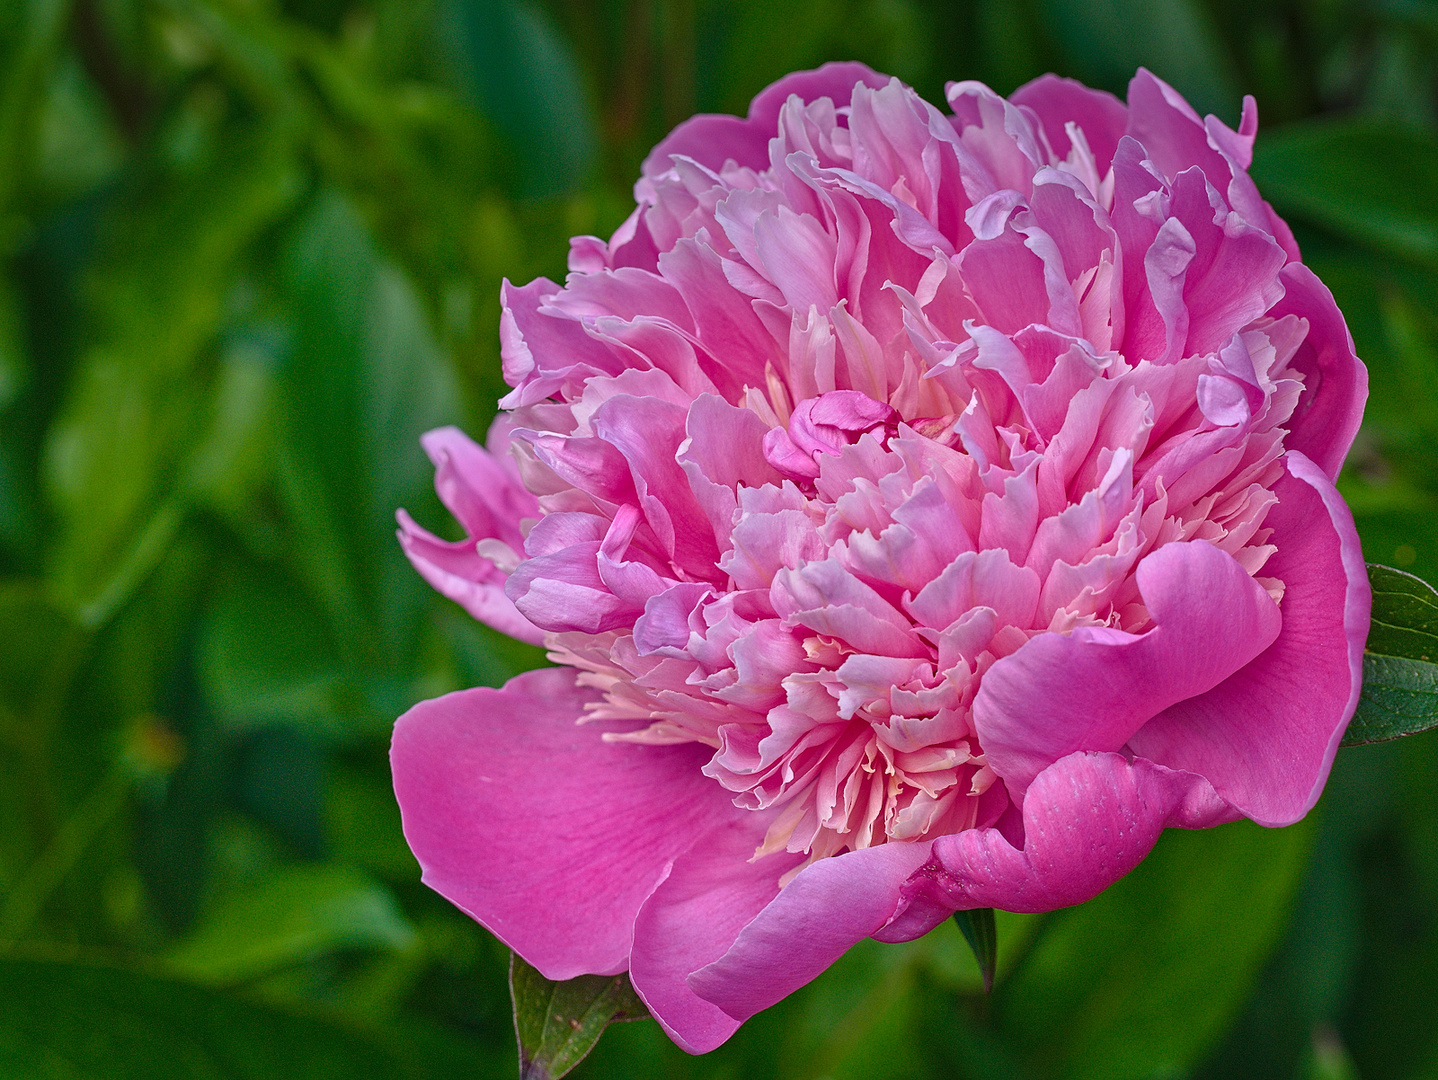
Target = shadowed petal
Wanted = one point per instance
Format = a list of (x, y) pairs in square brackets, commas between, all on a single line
[(692, 919)]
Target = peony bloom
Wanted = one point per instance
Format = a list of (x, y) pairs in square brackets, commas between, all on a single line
[(925, 510)]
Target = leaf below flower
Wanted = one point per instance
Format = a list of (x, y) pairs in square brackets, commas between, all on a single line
[(557, 1023), (981, 934)]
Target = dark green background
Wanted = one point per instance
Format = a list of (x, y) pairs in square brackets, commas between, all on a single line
[(252, 249)]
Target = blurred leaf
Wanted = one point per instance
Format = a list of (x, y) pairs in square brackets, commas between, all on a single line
[(365, 380), (139, 406), (1141, 980), (1373, 181), (978, 930), (1104, 43), (265, 655), (1400, 661), (30, 33), (77, 1021), (525, 79), (557, 1023), (290, 916), (364, 825)]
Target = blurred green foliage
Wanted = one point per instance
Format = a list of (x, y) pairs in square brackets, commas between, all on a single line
[(252, 249)]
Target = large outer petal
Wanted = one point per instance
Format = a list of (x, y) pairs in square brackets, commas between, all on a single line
[(828, 907), (692, 919), (1335, 380), (1088, 820), (545, 834), (1265, 738), (1093, 688)]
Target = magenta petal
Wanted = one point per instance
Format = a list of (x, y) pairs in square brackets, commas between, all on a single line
[(828, 907), (1088, 820), (1093, 688), (692, 919), (1335, 380), (1266, 737), (533, 825), (835, 80)]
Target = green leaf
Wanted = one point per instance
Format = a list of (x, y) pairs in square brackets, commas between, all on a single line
[(978, 929), (365, 380), (1400, 661), (525, 79), (265, 656), (80, 1021), (1369, 180), (1142, 980), (1104, 43), (557, 1023), (290, 916)]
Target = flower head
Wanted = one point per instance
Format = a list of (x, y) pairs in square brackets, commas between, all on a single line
[(925, 509)]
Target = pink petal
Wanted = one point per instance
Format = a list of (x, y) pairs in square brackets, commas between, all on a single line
[(457, 571), (548, 836), (1093, 688), (481, 491), (832, 904), (1335, 380), (714, 890), (712, 139), (1088, 820), (1266, 737), (1101, 116)]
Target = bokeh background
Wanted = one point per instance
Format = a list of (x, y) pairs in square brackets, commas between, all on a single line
[(252, 248)]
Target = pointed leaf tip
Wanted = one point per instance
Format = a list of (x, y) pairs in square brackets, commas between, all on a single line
[(556, 1024), (979, 931)]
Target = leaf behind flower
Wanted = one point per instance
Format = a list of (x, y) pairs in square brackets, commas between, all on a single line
[(557, 1023), (1400, 661)]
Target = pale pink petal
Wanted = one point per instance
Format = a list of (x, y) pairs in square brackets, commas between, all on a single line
[(1266, 736), (558, 869), (457, 571)]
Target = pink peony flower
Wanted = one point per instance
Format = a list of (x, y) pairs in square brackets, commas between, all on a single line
[(925, 511)]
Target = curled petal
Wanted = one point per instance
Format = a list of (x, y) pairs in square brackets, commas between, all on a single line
[(1089, 819)]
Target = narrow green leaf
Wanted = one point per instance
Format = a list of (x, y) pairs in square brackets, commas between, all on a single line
[(1400, 662), (524, 77), (557, 1023), (290, 916), (1370, 180), (979, 931)]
